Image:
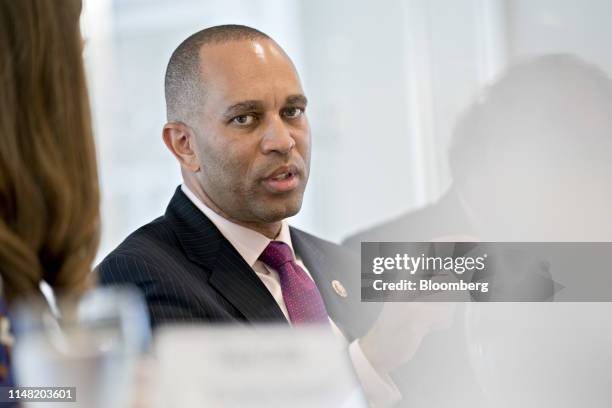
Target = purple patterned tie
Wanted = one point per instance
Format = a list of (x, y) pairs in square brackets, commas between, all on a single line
[(301, 296)]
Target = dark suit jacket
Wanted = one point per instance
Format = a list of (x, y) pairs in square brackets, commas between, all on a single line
[(189, 272)]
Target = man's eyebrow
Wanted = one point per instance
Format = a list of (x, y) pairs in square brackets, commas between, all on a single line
[(242, 107), (296, 100)]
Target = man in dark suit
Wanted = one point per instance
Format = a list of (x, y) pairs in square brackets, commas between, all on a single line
[(189, 272), (223, 251), (237, 126)]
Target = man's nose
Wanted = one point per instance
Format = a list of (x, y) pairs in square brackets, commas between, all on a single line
[(277, 137)]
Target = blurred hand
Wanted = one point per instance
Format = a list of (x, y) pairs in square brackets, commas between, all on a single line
[(397, 333), (144, 388)]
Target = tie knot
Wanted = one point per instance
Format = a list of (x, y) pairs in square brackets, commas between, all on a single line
[(276, 254)]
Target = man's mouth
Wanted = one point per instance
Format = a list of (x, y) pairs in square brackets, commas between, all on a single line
[(283, 179), (283, 176)]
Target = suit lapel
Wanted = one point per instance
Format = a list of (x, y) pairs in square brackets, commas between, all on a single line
[(325, 267), (239, 284), (230, 275)]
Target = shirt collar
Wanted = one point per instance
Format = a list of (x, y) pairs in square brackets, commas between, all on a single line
[(249, 243)]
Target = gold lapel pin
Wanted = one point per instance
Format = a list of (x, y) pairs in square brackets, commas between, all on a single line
[(340, 290)]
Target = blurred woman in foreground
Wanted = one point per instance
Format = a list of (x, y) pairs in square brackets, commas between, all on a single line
[(49, 199)]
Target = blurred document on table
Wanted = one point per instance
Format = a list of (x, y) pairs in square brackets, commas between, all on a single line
[(265, 366)]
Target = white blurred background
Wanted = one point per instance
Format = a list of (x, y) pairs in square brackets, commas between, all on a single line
[(386, 81)]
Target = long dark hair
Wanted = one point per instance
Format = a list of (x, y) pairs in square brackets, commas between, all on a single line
[(49, 198)]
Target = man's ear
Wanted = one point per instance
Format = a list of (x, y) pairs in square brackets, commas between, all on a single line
[(180, 140)]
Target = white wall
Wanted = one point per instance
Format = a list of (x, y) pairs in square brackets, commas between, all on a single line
[(387, 81), (583, 28)]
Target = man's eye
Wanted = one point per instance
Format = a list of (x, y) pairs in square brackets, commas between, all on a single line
[(292, 113), (244, 120)]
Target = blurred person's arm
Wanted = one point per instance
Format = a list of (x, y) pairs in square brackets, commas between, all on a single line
[(392, 342), (378, 388)]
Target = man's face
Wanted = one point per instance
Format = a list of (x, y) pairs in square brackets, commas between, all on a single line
[(252, 135)]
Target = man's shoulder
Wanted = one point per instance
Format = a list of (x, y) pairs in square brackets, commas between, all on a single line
[(309, 241), (147, 240), (321, 255), (144, 250)]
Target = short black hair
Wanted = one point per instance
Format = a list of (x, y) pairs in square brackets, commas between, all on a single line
[(183, 86)]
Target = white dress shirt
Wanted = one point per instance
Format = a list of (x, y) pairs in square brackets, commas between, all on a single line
[(378, 389)]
